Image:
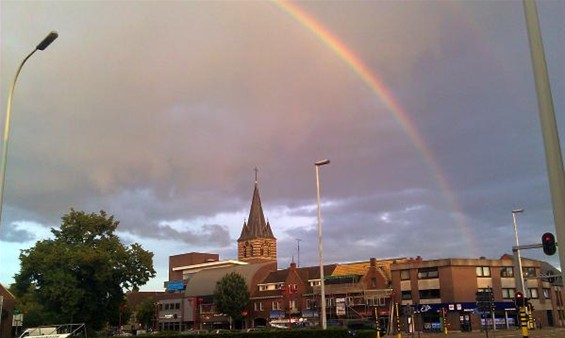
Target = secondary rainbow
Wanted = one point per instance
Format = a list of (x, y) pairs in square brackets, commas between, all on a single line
[(386, 97)]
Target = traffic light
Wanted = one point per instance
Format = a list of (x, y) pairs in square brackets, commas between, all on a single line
[(548, 243), (519, 299)]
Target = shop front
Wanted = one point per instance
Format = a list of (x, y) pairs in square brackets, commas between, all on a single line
[(464, 317)]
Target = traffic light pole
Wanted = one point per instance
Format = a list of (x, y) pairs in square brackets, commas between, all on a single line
[(548, 123), (523, 322)]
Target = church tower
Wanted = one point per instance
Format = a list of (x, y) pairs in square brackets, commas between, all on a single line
[(256, 242)]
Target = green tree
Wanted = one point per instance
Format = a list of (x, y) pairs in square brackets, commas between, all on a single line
[(145, 312), (231, 296), (81, 274)]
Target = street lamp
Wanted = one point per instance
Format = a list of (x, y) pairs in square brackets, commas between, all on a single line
[(41, 46), (320, 249), (517, 259)]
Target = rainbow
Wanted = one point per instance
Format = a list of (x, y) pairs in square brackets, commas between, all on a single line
[(387, 98)]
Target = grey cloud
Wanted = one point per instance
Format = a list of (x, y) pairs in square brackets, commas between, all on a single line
[(208, 235), (15, 234)]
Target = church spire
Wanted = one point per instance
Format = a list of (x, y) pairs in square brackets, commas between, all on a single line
[(256, 242), (256, 226)]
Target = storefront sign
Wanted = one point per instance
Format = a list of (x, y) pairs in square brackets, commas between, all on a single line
[(340, 306)]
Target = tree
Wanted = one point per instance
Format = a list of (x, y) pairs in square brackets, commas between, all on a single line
[(231, 296), (81, 274), (145, 312)]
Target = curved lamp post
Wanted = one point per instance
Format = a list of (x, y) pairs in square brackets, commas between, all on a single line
[(41, 46), (320, 249)]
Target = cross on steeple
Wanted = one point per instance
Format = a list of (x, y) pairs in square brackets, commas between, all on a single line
[(256, 170)]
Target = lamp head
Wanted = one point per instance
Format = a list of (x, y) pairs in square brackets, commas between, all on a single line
[(322, 162), (516, 211), (47, 41)]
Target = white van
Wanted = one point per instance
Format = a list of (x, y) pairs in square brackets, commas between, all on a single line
[(55, 331)]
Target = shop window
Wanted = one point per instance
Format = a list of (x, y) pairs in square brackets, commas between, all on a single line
[(427, 273), (483, 271)]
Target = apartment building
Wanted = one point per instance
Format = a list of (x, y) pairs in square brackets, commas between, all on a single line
[(449, 286)]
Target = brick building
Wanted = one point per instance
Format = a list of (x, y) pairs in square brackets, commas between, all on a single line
[(7, 305), (354, 292), (450, 285)]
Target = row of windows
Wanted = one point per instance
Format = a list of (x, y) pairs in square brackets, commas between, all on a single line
[(330, 302), (506, 293), (424, 294), (481, 271), (278, 286), (169, 306)]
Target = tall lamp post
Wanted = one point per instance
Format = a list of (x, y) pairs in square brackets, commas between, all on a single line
[(320, 249), (41, 46), (517, 259)]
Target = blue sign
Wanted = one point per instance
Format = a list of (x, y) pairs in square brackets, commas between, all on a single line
[(277, 314), (175, 285), (465, 307)]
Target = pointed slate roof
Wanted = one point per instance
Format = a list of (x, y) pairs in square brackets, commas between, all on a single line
[(256, 227)]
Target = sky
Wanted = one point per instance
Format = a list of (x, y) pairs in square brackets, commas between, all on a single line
[(158, 112)]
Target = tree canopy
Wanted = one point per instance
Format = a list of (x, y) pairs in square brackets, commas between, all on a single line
[(145, 312), (231, 295), (82, 273)]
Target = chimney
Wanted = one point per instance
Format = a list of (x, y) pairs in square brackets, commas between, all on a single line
[(292, 266)]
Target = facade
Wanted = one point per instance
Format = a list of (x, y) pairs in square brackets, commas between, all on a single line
[(434, 287)]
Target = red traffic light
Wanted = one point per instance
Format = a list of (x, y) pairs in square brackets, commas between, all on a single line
[(519, 299), (548, 243)]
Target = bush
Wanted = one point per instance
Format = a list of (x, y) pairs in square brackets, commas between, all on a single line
[(296, 333)]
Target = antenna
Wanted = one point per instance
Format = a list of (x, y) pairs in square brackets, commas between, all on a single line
[(298, 243)]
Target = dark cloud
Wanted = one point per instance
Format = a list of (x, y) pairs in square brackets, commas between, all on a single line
[(15, 234)]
